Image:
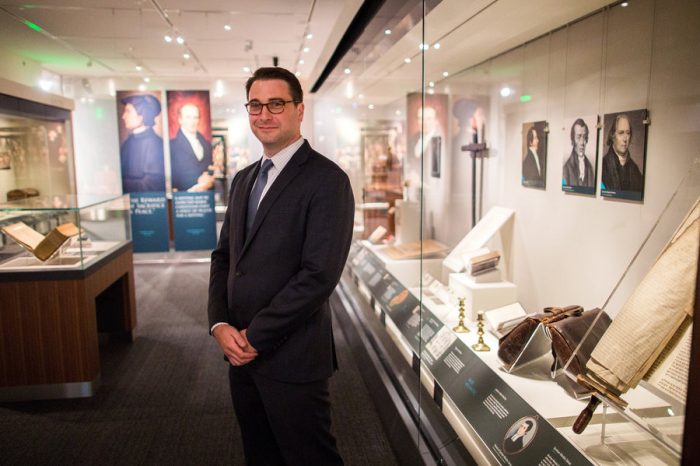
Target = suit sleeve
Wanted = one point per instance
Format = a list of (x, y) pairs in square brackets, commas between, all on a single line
[(217, 306), (325, 250)]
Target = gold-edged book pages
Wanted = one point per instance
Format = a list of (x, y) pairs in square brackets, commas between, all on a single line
[(41, 246), (413, 250)]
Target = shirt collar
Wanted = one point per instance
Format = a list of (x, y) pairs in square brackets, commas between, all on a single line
[(281, 158)]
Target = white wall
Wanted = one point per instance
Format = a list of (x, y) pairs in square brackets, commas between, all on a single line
[(572, 249)]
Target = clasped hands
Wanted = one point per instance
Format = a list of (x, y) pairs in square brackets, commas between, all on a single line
[(235, 345)]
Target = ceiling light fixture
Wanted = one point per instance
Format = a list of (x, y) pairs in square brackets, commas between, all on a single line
[(387, 32), (347, 71), (168, 38), (301, 62), (445, 74), (309, 36), (370, 106), (147, 79), (186, 56), (407, 60), (227, 27), (246, 69), (506, 91), (297, 74), (306, 50), (139, 67), (436, 45), (180, 40), (624, 4), (142, 87)]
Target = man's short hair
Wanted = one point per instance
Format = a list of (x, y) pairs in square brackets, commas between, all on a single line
[(145, 105), (582, 123), (529, 135), (613, 129), (269, 73)]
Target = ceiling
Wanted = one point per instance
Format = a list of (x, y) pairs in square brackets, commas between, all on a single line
[(107, 39), (111, 38)]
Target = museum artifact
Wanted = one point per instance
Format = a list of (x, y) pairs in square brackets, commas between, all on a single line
[(416, 249), (484, 263), (481, 344), (461, 328), (646, 337), (43, 247)]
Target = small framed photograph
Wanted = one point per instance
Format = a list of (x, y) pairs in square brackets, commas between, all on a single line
[(534, 159), (624, 145)]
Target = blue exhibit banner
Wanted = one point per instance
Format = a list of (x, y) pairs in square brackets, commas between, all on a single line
[(194, 221), (149, 222)]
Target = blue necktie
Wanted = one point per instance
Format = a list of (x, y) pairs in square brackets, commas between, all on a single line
[(255, 194)]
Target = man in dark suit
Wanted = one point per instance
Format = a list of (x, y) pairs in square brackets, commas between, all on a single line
[(190, 154), (283, 246), (534, 163)]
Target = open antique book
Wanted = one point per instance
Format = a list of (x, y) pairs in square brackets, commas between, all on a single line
[(41, 246)]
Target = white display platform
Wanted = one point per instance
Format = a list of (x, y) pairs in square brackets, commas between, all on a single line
[(407, 271), (478, 237), (482, 296), (407, 221)]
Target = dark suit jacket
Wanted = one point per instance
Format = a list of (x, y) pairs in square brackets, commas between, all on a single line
[(530, 173), (184, 166), (571, 172), (277, 281)]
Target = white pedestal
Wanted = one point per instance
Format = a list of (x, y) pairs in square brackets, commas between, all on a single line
[(482, 296)]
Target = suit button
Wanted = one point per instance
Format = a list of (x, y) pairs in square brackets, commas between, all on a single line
[(238, 274)]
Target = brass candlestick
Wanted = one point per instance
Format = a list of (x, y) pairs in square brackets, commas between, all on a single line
[(461, 328), (480, 345)]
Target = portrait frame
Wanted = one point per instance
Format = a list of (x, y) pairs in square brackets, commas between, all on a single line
[(634, 175), (570, 181), (534, 173)]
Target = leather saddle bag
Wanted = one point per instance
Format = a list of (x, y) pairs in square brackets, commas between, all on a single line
[(566, 327)]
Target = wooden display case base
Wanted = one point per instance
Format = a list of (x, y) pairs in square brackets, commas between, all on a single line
[(49, 324)]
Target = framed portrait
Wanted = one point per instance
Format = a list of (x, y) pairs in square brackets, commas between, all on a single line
[(624, 146), (580, 158), (141, 149), (534, 155), (426, 119), (190, 133)]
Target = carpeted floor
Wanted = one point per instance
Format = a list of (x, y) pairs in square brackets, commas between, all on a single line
[(164, 398)]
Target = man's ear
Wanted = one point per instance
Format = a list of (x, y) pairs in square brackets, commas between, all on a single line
[(300, 109)]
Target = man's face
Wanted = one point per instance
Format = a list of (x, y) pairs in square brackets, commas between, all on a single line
[(132, 119), (535, 144), (580, 140), (189, 118), (275, 131), (522, 429), (621, 138)]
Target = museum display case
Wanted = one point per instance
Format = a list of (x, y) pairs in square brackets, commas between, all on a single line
[(544, 183), (100, 225)]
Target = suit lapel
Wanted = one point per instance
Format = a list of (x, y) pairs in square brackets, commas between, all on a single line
[(290, 172)]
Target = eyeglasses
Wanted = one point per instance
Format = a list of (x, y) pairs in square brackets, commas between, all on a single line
[(274, 106)]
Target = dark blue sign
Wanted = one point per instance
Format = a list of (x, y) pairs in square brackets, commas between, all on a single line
[(149, 222), (194, 221)]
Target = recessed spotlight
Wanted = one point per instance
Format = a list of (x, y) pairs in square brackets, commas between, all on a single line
[(180, 40), (142, 87), (147, 79), (246, 69), (301, 62), (423, 46), (361, 96), (227, 27), (398, 113), (431, 91), (407, 60), (370, 106), (431, 84), (624, 4), (297, 74), (445, 74), (347, 71), (306, 50), (309, 36), (506, 91), (436, 45), (139, 67), (186, 56), (168, 38), (387, 32)]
